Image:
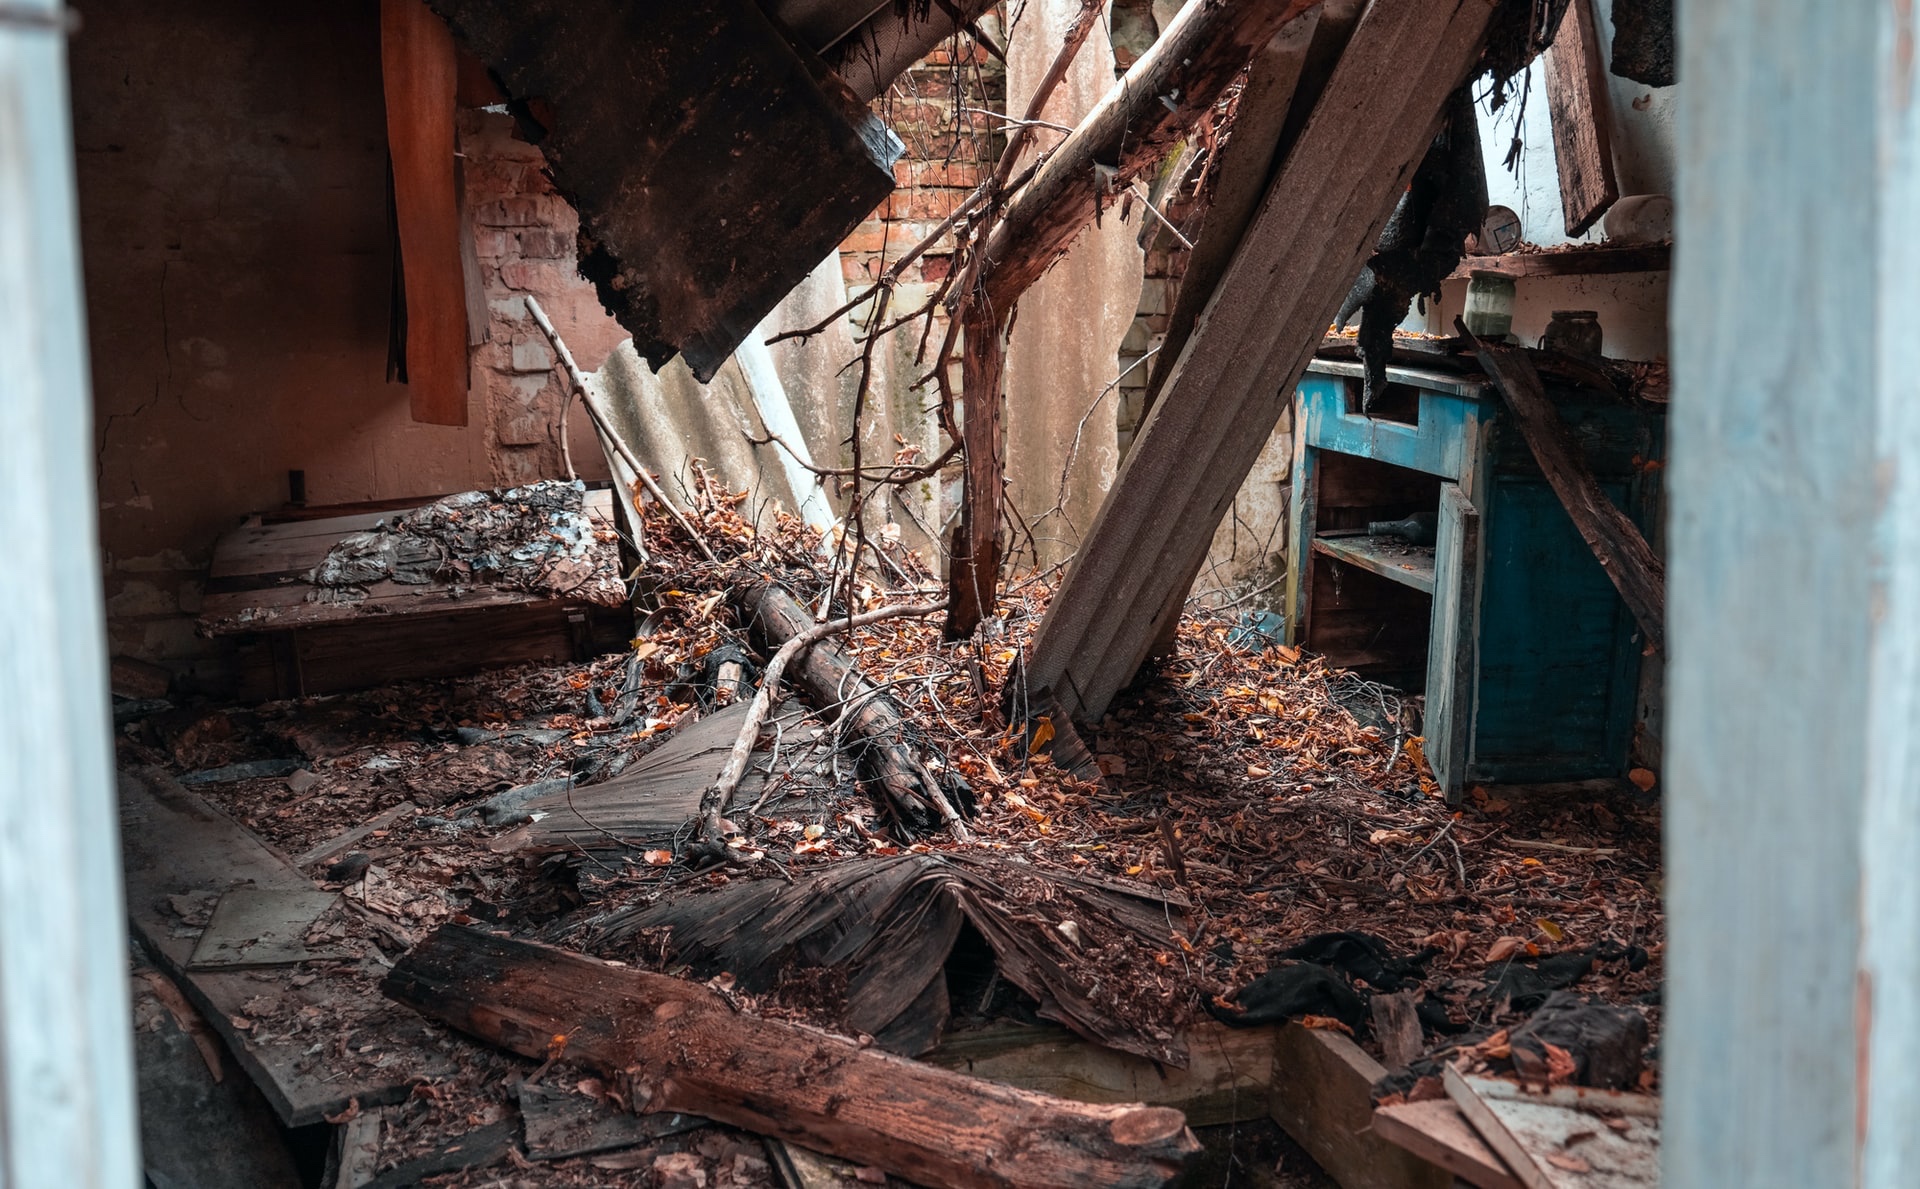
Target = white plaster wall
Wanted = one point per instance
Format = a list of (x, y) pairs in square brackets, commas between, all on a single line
[(1061, 356)]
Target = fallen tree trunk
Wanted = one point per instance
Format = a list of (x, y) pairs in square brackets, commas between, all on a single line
[(677, 1046), (890, 754), (1631, 564)]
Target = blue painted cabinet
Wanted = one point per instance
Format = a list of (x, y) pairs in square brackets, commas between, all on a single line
[(1528, 658)]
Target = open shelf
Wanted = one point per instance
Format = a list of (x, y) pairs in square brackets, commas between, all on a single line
[(1389, 557)]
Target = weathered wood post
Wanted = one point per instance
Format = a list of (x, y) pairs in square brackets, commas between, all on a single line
[(1792, 1047), (66, 1027)]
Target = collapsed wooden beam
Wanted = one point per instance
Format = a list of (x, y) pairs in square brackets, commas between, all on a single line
[(713, 164), (677, 1046), (1138, 123), (1631, 564), (1315, 229)]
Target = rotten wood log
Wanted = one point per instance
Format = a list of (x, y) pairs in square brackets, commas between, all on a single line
[(890, 755), (1315, 230), (1631, 564), (720, 793), (1577, 102), (677, 1046)]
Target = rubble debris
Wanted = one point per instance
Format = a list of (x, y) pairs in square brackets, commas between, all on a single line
[(677, 1046), (537, 538), (884, 928), (1564, 1137)]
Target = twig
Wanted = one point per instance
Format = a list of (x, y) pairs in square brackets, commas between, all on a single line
[(579, 380), (714, 802)]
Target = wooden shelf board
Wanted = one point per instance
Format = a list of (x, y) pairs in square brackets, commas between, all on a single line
[(1389, 557), (1568, 262)]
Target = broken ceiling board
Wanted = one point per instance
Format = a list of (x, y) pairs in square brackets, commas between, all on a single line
[(712, 163), (1081, 945), (1564, 1137), (1323, 1098), (1582, 134), (1228, 1077), (418, 69), (263, 927), (175, 845), (679, 1046), (1436, 1132), (1313, 234)]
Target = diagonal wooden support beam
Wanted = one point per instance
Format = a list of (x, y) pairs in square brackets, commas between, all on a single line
[(1319, 221)]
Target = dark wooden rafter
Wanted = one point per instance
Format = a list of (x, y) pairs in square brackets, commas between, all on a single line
[(1314, 231), (679, 1047), (1135, 126)]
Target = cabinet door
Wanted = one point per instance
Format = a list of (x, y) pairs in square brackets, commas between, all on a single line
[(1452, 648)]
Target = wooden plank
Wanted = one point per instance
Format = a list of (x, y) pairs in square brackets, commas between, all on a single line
[(682, 1048), (1580, 260), (1453, 654), (1564, 1137), (1436, 1132), (1228, 1079), (1323, 1098), (418, 69), (327, 850), (1396, 1025), (175, 844), (1631, 564), (1312, 236), (713, 163), (1407, 565), (1582, 127)]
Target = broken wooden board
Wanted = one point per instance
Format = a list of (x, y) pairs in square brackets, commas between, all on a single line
[(253, 926), (1438, 1133), (1077, 944), (561, 1123), (1228, 1078), (1578, 103), (1564, 1137), (1298, 259), (417, 69), (712, 163), (291, 647), (1323, 1098), (655, 797), (678, 1046), (174, 844)]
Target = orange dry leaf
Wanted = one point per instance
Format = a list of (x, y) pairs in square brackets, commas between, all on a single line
[(1643, 779), (1504, 948), (1325, 1024)]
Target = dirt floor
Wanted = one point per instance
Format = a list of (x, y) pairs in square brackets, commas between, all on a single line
[(1285, 799)]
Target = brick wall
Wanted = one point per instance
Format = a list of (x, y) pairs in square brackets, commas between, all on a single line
[(524, 236)]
